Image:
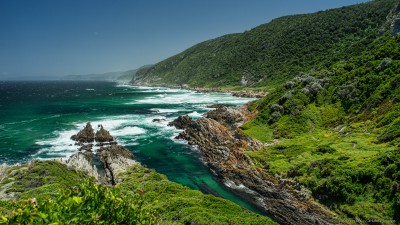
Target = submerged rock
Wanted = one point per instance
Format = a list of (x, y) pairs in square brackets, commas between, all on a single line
[(157, 120)]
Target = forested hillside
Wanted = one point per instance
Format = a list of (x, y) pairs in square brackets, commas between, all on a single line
[(276, 51), (337, 131)]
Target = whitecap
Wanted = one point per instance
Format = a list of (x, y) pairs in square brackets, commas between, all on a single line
[(158, 110), (195, 115), (129, 131)]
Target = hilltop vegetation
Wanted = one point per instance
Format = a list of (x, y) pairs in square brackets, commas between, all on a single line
[(274, 52)]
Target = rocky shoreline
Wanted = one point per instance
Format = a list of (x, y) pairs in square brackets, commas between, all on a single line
[(241, 93), (223, 145)]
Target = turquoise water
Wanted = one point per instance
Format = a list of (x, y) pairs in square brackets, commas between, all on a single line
[(37, 120)]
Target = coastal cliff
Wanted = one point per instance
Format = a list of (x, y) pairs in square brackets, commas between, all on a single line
[(224, 146)]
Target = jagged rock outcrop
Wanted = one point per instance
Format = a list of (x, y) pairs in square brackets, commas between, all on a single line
[(231, 117), (103, 135), (115, 159), (86, 135), (223, 145), (181, 122)]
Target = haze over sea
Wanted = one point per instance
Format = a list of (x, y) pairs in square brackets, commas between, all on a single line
[(37, 119)]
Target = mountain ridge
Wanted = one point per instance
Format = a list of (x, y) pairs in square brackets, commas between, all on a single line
[(273, 52)]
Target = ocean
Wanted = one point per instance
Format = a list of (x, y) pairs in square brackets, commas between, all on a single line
[(37, 119)]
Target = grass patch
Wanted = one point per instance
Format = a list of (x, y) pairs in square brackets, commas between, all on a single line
[(261, 132), (174, 203), (352, 175)]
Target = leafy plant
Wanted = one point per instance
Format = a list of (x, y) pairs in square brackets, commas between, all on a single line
[(87, 203)]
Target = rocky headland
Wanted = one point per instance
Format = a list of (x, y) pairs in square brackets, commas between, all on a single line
[(112, 157), (223, 146)]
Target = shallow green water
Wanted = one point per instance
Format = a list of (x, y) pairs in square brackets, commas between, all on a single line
[(37, 120)]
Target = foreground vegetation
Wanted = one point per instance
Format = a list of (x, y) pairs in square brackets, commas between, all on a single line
[(48, 192)]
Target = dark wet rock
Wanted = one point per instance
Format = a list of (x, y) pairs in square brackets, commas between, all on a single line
[(86, 135), (223, 146), (214, 106), (157, 120), (106, 143), (87, 147), (182, 122), (103, 135)]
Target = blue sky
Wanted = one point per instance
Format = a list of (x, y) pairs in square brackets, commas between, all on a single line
[(49, 38)]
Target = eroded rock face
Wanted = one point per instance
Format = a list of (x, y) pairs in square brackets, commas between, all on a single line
[(115, 159), (231, 117), (82, 162), (223, 145)]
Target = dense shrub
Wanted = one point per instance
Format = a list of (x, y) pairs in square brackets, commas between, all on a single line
[(87, 203), (275, 116)]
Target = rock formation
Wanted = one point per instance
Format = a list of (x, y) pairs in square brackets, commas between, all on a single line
[(103, 135), (223, 145), (181, 122), (84, 136), (114, 158), (81, 162)]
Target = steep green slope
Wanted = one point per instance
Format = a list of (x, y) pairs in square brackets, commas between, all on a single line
[(337, 131), (66, 196), (273, 52)]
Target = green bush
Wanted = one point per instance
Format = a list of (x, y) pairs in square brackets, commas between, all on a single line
[(326, 149), (87, 203)]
